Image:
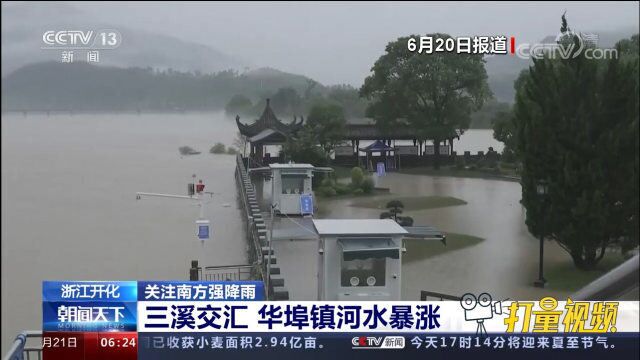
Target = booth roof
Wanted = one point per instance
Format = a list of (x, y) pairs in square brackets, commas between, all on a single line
[(291, 166), (358, 227)]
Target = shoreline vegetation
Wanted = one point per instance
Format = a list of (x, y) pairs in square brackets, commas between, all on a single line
[(187, 150), (452, 171), (411, 203), (220, 148), (503, 172), (418, 249), (175, 91)]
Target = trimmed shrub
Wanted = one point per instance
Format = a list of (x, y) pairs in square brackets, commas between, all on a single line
[(342, 189), (367, 185), (357, 176), (326, 191), (327, 182)]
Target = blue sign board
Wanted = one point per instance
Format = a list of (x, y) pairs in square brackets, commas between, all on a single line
[(306, 204), (203, 232), (380, 170)]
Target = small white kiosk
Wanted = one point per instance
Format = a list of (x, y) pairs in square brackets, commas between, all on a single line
[(291, 192), (289, 184), (359, 259)]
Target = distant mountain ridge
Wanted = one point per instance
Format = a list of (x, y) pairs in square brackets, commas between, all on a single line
[(85, 87), (23, 25)]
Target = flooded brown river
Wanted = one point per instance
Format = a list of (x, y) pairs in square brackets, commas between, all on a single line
[(69, 210)]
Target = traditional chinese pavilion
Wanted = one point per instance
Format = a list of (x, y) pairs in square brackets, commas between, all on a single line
[(267, 130)]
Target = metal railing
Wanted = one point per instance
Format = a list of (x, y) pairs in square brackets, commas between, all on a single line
[(613, 285), (251, 229), (227, 273), (425, 295), (222, 273), (20, 350)]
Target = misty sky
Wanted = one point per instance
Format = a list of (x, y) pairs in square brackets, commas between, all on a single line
[(338, 42)]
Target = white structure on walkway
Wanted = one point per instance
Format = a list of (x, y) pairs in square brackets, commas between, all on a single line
[(359, 259), (291, 192)]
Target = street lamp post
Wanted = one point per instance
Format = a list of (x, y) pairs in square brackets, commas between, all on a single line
[(541, 189)]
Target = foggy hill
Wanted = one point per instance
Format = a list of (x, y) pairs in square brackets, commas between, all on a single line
[(85, 87), (504, 69), (23, 25)]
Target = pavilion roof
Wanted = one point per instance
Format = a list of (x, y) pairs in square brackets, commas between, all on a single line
[(266, 121), (377, 146)]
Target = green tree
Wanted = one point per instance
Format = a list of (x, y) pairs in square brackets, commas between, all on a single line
[(395, 208), (328, 124), (286, 101), (576, 125), (504, 126), (503, 131), (302, 148), (240, 142), (239, 104), (434, 94)]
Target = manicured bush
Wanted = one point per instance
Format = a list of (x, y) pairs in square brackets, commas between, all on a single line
[(342, 189), (405, 220), (327, 182), (367, 185), (357, 176), (326, 191)]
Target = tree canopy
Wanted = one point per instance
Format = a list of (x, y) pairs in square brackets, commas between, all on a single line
[(576, 129), (328, 124), (433, 94)]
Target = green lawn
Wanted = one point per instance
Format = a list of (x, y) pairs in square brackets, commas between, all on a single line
[(411, 203), (567, 277), (505, 174), (421, 249)]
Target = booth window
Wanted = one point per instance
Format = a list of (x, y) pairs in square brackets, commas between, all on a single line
[(364, 260), (293, 183), (363, 269)]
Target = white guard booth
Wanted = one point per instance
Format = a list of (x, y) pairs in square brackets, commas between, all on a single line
[(290, 184), (291, 192), (359, 259)]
